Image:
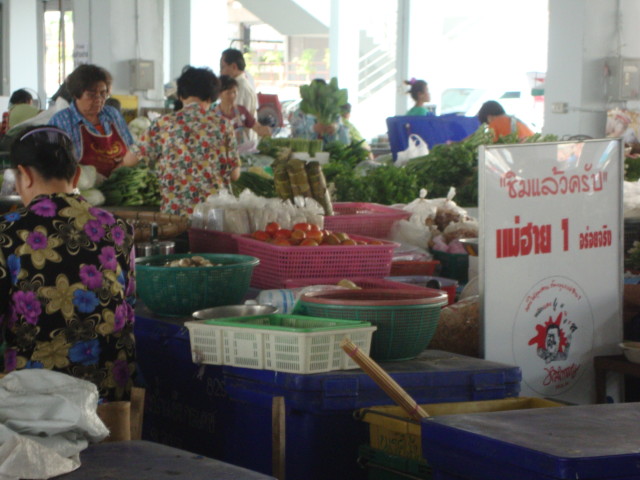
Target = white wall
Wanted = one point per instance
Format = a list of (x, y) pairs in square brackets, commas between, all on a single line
[(23, 68)]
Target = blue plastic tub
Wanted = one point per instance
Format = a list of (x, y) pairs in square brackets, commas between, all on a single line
[(185, 404), (322, 436), (593, 442)]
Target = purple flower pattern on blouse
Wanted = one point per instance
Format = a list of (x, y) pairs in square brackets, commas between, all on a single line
[(107, 258), (118, 235), (45, 208), (37, 240), (104, 217), (27, 305), (75, 286), (91, 277), (94, 230)]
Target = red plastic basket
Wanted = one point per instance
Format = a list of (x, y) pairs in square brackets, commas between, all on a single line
[(279, 263), (211, 241), (369, 219)]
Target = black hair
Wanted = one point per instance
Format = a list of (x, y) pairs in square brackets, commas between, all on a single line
[(416, 87), (20, 96), (86, 76), (62, 92), (46, 149), (231, 56), (114, 102), (198, 82), (489, 108), (227, 82), (346, 108)]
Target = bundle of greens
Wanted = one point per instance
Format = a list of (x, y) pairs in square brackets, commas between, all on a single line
[(323, 100), (131, 186)]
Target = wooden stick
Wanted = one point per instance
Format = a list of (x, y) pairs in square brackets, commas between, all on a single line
[(384, 381), (278, 444)]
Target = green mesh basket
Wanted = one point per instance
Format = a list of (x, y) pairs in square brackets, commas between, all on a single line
[(180, 291), (406, 319)]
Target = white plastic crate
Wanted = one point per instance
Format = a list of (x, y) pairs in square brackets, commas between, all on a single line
[(278, 350)]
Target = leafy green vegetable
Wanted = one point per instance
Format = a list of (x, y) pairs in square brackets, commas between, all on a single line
[(323, 100), (261, 186), (131, 186), (631, 169)]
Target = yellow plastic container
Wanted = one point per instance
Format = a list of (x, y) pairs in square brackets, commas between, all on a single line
[(394, 432)]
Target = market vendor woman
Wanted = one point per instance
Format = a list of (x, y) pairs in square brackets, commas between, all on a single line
[(66, 272), (99, 132), (194, 150)]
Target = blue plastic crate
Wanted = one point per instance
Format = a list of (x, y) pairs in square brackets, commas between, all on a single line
[(322, 436), (185, 404), (594, 442), (433, 129)]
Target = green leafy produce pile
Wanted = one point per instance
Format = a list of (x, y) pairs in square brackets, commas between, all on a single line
[(258, 184), (131, 186), (323, 100)]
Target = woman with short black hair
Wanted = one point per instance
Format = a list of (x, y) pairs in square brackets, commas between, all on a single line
[(66, 272)]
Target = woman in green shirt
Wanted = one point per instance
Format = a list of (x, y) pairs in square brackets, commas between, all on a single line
[(420, 93)]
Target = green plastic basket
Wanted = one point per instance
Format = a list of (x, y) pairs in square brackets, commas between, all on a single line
[(406, 319), (180, 291)]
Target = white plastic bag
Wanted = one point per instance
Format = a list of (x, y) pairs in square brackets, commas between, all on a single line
[(417, 148)]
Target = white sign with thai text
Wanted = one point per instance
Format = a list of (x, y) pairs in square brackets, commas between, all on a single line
[(551, 261)]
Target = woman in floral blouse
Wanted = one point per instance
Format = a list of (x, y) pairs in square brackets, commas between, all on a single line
[(194, 150), (66, 272)]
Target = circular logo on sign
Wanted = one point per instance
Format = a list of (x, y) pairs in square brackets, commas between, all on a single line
[(553, 336)]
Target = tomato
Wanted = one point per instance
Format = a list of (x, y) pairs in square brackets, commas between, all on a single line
[(309, 242), (282, 233), (302, 226), (272, 228), (297, 236), (315, 235), (261, 235), (281, 241), (314, 228), (348, 242)]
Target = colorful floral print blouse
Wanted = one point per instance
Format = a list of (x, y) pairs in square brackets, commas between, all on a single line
[(66, 288), (193, 151)]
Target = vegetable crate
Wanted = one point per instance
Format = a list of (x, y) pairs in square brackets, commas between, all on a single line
[(211, 241), (284, 343), (369, 219), (392, 431), (279, 263)]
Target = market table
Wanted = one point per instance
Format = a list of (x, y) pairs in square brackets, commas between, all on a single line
[(140, 460), (611, 363)]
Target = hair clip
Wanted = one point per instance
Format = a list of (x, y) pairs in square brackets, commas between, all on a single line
[(45, 130)]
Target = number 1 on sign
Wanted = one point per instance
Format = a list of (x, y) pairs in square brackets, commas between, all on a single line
[(565, 234)]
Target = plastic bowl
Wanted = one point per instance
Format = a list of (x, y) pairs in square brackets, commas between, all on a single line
[(231, 311), (631, 351)]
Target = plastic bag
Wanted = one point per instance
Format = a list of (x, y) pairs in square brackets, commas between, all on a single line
[(417, 148), (458, 330)]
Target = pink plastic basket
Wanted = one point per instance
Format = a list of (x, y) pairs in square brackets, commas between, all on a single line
[(280, 263), (211, 241), (369, 219)]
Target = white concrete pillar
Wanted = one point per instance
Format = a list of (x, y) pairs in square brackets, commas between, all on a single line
[(23, 44)]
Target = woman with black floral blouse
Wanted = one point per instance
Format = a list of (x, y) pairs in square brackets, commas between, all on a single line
[(66, 273)]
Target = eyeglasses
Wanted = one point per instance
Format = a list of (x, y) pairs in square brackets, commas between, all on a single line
[(93, 95)]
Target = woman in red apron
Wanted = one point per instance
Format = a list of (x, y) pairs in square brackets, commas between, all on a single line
[(99, 132)]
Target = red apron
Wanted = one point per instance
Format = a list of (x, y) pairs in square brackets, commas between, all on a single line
[(102, 151)]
